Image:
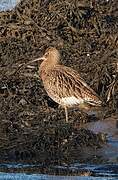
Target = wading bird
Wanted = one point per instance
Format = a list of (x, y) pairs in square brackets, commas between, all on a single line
[(63, 84)]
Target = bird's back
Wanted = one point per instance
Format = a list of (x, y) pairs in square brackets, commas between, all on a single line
[(65, 86)]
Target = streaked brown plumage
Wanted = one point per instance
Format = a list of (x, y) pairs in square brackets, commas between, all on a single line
[(63, 84)]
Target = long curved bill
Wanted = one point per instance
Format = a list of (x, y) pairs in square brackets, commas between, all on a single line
[(28, 63), (38, 59)]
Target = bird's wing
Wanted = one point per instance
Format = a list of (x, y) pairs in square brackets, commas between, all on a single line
[(67, 85)]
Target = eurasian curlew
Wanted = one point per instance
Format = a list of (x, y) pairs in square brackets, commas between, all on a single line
[(63, 84)]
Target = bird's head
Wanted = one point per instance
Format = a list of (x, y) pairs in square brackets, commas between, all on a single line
[(51, 55), (50, 58)]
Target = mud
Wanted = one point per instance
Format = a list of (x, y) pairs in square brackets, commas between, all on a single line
[(32, 126)]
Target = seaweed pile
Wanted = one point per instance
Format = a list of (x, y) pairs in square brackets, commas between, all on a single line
[(85, 32)]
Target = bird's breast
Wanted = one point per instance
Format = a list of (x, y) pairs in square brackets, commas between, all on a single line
[(43, 75)]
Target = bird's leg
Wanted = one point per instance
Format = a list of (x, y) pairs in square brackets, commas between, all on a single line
[(66, 113)]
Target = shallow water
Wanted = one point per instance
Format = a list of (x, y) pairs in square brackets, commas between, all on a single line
[(109, 127), (98, 172), (18, 176), (8, 4), (105, 169)]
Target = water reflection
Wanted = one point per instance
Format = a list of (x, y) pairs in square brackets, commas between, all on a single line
[(102, 162), (108, 126), (21, 176), (75, 169)]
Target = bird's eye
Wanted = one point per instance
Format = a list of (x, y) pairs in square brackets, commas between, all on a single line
[(46, 54)]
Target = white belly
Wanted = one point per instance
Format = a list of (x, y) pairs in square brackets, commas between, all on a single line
[(71, 101)]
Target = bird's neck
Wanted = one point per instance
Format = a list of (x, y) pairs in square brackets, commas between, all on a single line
[(45, 67)]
